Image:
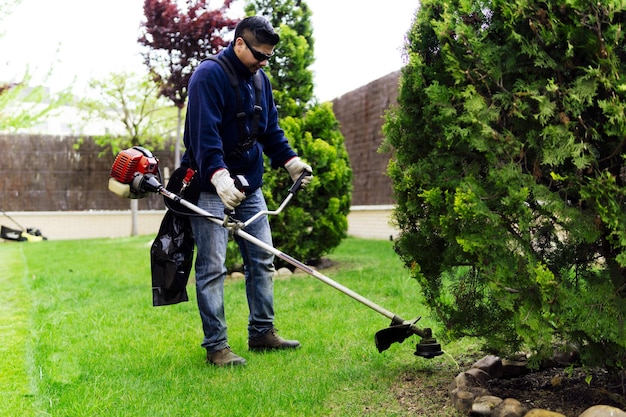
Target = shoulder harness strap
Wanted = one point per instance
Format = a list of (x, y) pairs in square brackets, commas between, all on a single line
[(246, 141)]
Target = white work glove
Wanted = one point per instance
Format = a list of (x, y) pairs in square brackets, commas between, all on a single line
[(225, 187), (295, 166)]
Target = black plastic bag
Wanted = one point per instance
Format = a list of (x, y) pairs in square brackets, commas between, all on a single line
[(171, 257)]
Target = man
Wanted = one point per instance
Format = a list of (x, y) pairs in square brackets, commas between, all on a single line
[(213, 139)]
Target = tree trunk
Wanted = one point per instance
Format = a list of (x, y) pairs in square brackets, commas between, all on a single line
[(178, 140)]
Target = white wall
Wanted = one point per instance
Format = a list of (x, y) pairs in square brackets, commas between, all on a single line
[(370, 222)]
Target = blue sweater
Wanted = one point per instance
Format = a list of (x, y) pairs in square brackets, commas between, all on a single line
[(211, 129)]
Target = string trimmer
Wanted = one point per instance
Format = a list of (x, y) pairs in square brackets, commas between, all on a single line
[(135, 174)]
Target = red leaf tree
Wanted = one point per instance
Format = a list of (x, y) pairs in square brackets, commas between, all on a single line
[(177, 39)]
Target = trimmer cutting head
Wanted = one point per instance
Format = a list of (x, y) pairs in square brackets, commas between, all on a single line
[(399, 330), (428, 348)]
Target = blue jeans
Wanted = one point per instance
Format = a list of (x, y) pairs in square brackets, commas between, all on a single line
[(211, 241)]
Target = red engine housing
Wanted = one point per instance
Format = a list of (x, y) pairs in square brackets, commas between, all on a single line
[(133, 161)]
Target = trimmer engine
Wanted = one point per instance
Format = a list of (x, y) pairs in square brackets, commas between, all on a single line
[(134, 173), (129, 162)]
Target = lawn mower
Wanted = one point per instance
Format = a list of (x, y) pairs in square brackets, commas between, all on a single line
[(24, 234), (135, 174)]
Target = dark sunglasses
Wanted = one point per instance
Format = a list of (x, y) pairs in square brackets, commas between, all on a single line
[(259, 56)]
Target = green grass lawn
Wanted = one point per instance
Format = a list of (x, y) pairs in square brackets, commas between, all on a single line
[(80, 338)]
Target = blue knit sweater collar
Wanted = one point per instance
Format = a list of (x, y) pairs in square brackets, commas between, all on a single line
[(240, 69)]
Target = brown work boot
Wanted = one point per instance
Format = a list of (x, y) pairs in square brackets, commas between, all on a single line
[(224, 357), (271, 341)]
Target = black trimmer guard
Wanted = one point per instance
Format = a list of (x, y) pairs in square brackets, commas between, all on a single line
[(394, 334)]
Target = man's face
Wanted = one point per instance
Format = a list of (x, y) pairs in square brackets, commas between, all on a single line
[(253, 57)]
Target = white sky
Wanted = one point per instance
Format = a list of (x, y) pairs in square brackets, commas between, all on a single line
[(355, 42)]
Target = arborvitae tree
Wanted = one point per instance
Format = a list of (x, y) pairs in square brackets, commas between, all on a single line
[(316, 220), (289, 69), (508, 171)]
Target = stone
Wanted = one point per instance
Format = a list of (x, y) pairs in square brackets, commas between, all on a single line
[(510, 407), (603, 411), (511, 368), (237, 275), (563, 356), (490, 364), (539, 412), (469, 379), (283, 271), (478, 376), (566, 358), (459, 381), (483, 406), (463, 398)]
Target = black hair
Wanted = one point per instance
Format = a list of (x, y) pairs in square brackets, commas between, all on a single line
[(260, 28)]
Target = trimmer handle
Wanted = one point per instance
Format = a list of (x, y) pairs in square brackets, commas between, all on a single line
[(298, 183), (292, 191), (242, 184)]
